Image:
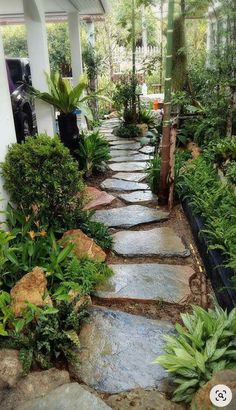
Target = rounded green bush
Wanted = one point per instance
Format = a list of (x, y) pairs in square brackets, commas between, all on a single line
[(41, 176)]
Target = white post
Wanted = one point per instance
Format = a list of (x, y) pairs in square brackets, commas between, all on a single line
[(8, 134), (91, 33), (39, 60), (75, 46)]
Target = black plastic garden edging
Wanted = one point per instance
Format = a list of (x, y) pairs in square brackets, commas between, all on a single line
[(213, 260)]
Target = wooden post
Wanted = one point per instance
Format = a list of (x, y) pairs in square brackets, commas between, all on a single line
[(165, 147), (173, 135)]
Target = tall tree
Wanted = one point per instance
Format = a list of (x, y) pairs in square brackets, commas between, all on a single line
[(165, 146)]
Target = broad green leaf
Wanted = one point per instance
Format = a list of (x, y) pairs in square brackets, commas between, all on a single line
[(3, 332)]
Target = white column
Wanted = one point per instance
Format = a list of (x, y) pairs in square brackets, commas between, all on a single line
[(75, 46), (8, 135), (91, 33), (39, 60)]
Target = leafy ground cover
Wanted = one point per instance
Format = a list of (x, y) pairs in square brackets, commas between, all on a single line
[(46, 187)]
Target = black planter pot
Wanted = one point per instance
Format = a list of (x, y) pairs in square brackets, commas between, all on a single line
[(69, 131), (219, 276)]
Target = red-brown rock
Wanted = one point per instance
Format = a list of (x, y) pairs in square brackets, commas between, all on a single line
[(84, 246), (96, 198), (30, 288)]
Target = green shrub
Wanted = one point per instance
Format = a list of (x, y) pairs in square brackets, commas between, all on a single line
[(214, 201), (127, 131), (81, 275), (28, 245), (202, 347), (92, 151), (43, 335), (225, 149), (146, 117), (99, 232), (231, 172), (41, 177)]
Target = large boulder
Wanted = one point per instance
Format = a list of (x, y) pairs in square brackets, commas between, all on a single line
[(35, 385), (66, 397), (30, 288), (83, 245), (202, 397)]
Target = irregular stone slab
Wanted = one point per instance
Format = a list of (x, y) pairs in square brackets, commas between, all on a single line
[(124, 142), (110, 137), (141, 197), (130, 176), (32, 386), (147, 282), (123, 152), (130, 158), (141, 399), (120, 185), (69, 396), (129, 216), (118, 349), (97, 198), (147, 150), (159, 241), (10, 367), (129, 167), (124, 146)]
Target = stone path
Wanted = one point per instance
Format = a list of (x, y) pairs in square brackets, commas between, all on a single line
[(118, 348)]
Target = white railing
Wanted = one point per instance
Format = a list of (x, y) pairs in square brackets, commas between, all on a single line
[(122, 58)]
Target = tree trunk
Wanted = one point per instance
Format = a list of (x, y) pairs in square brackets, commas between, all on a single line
[(161, 46), (165, 147)]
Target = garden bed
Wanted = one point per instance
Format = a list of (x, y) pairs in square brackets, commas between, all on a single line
[(213, 260)]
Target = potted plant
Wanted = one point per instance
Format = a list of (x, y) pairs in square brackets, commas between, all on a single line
[(66, 99)]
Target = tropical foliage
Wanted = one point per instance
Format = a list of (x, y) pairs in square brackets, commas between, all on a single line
[(204, 345)]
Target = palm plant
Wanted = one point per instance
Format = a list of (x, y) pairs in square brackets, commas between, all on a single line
[(66, 99), (63, 96)]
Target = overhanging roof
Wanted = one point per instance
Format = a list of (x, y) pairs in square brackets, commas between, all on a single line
[(11, 11)]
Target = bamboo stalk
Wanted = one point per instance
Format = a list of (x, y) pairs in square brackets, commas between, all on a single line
[(165, 148)]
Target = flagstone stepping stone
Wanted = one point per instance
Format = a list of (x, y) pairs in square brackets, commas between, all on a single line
[(121, 153), (130, 158), (118, 350), (130, 176), (124, 142), (128, 167), (119, 185), (139, 197), (156, 242), (131, 147), (68, 396), (147, 150), (97, 198), (129, 216), (147, 282)]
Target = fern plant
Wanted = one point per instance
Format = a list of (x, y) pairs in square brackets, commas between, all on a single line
[(203, 346), (92, 151), (41, 334)]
